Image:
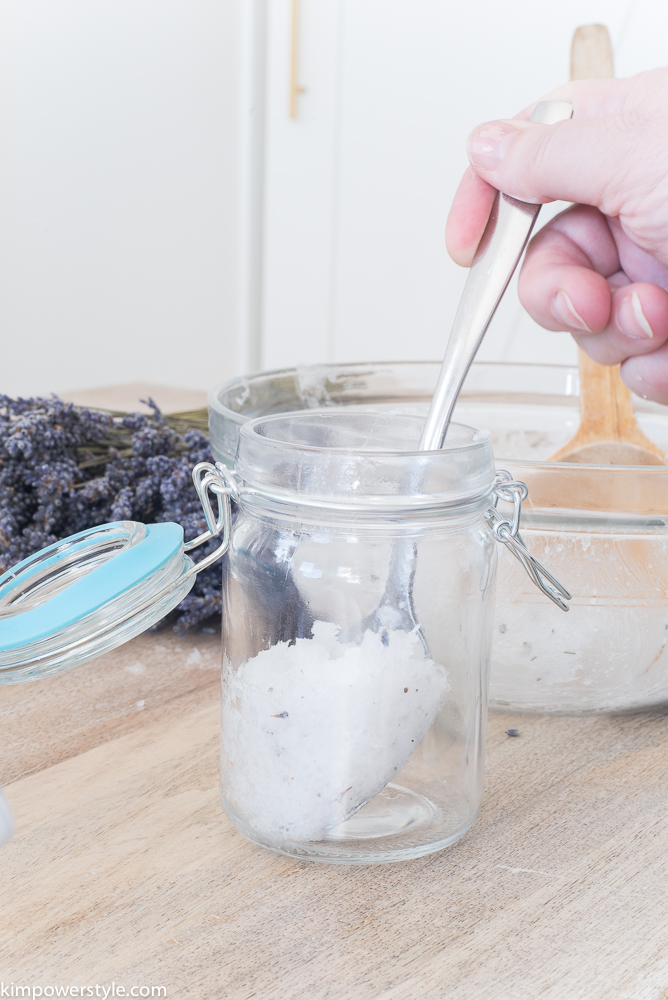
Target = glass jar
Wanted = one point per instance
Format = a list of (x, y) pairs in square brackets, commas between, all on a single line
[(358, 601), (358, 607)]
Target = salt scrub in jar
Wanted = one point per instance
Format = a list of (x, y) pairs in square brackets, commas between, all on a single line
[(290, 708), (361, 749)]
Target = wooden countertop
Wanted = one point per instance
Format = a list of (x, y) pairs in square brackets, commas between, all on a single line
[(124, 869)]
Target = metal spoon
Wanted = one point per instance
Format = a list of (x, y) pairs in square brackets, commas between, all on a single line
[(395, 612), (506, 235), (498, 254)]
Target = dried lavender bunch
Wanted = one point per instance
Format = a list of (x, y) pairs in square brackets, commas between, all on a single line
[(64, 468)]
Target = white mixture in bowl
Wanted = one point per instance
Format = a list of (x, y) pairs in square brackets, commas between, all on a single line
[(609, 652)]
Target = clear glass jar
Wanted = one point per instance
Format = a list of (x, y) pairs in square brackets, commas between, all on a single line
[(358, 603), (358, 610)]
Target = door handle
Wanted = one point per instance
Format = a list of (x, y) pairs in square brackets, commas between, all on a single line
[(295, 88)]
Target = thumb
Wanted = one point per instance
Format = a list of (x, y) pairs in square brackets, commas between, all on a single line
[(576, 160)]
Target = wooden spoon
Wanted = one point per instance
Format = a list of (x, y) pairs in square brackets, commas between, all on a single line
[(608, 432)]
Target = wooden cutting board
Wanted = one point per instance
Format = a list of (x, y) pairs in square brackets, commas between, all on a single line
[(124, 869)]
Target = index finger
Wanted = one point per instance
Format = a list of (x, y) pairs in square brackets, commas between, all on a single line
[(468, 217), (474, 197)]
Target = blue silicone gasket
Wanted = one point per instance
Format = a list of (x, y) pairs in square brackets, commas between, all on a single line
[(89, 593)]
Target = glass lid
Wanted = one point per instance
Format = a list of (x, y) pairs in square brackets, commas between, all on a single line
[(93, 591), (83, 596)]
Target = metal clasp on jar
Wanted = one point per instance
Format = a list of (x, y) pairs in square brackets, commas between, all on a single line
[(508, 533), (216, 480)]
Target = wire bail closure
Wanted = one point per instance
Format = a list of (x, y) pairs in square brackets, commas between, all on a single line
[(508, 533), (217, 480)]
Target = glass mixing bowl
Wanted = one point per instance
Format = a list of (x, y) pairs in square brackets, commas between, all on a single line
[(602, 530)]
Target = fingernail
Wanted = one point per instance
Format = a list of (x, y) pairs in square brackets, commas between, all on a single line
[(565, 313), (631, 320), (487, 144)]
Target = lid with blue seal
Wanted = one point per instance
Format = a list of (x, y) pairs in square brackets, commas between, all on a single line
[(95, 590)]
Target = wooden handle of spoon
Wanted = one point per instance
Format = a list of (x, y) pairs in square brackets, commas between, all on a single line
[(606, 405), (591, 53), (604, 399)]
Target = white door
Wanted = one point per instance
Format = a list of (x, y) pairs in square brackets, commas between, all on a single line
[(357, 185)]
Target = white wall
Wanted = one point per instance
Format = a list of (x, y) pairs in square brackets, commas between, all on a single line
[(117, 192), (358, 185), (131, 223)]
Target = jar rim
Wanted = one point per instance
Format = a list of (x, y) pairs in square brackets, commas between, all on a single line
[(479, 440), (351, 459)]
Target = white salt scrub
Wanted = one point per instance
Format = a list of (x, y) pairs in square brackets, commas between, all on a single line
[(313, 730)]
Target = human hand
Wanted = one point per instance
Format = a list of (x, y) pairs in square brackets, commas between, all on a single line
[(599, 269)]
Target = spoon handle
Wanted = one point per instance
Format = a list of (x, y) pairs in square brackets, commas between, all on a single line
[(503, 241)]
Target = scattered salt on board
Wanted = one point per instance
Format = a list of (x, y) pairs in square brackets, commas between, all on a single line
[(6, 821)]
